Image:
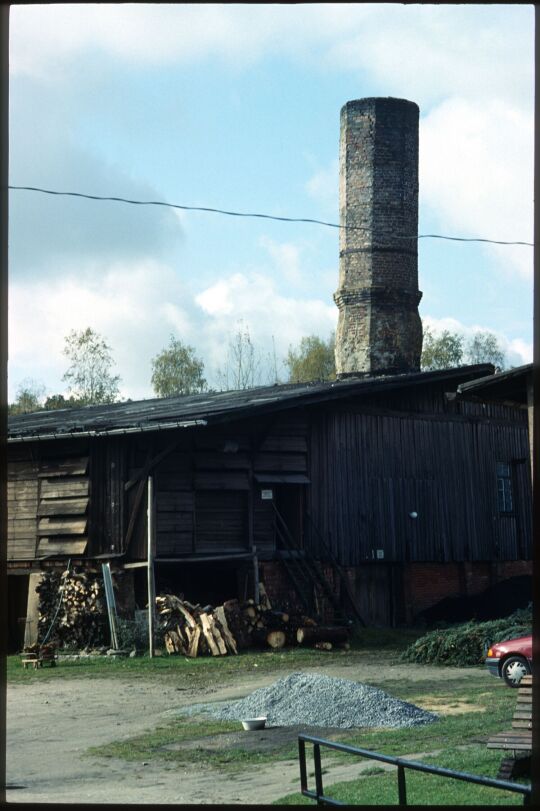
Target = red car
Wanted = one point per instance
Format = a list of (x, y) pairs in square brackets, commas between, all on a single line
[(511, 660)]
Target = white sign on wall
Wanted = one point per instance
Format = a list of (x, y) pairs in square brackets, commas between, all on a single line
[(267, 495)]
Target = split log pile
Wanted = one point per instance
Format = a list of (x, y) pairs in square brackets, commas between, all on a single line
[(74, 604), (193, 630)]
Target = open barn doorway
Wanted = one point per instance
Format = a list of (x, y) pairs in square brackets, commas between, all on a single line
[(289, 501), (200, 582)]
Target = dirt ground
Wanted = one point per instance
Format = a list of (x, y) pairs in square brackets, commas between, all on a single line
[(50, 725)]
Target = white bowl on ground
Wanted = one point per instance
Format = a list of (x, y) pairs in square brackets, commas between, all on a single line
[(254, 723)]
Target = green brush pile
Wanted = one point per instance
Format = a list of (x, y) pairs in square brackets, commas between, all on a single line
[(467, 644)]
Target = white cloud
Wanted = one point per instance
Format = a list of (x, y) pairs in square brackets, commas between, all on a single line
[(137, 307), (476, 174), (254, 300), (323, 186), (460, 49), (427, 47), (44, 38), (286, 256), (129, 305)]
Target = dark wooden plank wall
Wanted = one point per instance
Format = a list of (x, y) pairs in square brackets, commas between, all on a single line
[(48, 493), (107, 509), (22, 504), (207, 500), (433, 400), (369, 472), (64, 493)]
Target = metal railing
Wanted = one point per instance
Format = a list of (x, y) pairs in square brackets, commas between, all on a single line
[(400, 763)]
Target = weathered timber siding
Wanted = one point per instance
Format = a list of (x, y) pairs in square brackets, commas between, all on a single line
[(22, 504), (369, 472), (48, 495), (207, 497), (107, 470)]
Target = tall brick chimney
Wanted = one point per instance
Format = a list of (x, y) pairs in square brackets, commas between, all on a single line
[(379, 329)]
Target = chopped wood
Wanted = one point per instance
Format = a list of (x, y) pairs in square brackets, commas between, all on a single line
[(217, 635), (323, 645), (310, 635), (195, 630), (72, 609), (222, 620), (194, 642), (263, 598), (276, 639), (207, 631)]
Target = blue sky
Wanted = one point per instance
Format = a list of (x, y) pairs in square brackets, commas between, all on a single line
[(237, 107)]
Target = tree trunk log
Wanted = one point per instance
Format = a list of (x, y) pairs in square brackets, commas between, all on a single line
[(310, 635), (276, 639)]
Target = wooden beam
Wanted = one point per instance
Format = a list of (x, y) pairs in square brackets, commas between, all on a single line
[(149, 465), (134, 513), (62, 526)]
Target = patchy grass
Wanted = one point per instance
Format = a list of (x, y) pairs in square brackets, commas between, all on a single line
[(496, 704), (224, 747), (203, 670), (197, 741), (470, 710), (215, 669)]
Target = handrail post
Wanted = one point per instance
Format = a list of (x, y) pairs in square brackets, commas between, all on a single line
[(402, 788), (303, 768), (318, 773)]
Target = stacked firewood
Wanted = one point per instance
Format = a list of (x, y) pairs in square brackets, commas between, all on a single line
[(270, 627), (72, 604), (192, 629)]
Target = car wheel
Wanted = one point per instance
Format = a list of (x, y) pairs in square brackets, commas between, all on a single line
[(513, 670)]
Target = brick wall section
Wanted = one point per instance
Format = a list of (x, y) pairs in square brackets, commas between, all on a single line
[(283, 596), (424, 584), (379, 328), (427, 583)]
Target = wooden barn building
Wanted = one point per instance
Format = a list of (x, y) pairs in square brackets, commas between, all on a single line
[(375, 495), (387, 488)]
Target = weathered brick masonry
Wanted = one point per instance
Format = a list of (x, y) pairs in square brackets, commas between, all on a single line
[(415, 586), (379, 329)]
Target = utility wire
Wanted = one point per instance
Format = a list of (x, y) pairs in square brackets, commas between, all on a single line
[(261, 216)]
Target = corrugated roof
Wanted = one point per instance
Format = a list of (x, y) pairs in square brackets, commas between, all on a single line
[(213, 407)]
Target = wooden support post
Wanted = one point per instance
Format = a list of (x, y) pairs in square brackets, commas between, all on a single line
[(111, 604), (32, 610), (256, 576), (150, 566)]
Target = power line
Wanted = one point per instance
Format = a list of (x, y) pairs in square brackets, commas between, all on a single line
[(260, 216)]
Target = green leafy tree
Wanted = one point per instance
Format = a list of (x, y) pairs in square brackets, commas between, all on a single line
[(484, 347), (28, 398), (89, 377), (447, 350), (176, 370), (55, 401), (443, 351), (313, 359)]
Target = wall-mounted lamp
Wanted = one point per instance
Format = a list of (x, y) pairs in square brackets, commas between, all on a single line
[(413, 514)]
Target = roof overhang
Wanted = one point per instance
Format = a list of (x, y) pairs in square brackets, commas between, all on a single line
[(505, 387)]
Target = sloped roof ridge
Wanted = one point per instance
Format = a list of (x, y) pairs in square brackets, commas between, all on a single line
[(161, 411)]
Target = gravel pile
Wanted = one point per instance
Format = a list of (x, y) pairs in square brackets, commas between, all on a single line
[(316, 700)]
